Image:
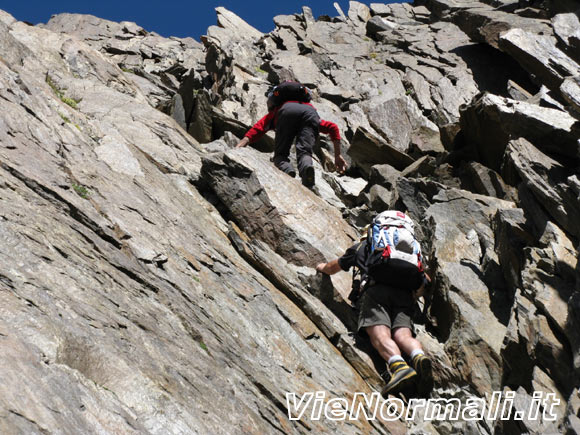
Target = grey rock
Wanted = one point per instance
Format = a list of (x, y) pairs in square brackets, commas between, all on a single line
[(6, 18), (539, 56), (547, 180), (512, 235), (337, 95), (378, 24), (229, 20), (282, 219), (424, 166), (487, 182), (566, 28), (128, 307), (572, 323), (485, 24), (290, 281), (401, 123), (532, 342), (380, 9), (548, 280), (200, 122), (570, 90), (542, 382), (497, 119), (385, 175), (381, 198), (544, 98), (450, 135), (346, 188), (302, 69), (158, 63), (573, 424), (522, 403), (136, 304), (367, 150), (461, 238), (516, 92), (358, 12), (308, 15)]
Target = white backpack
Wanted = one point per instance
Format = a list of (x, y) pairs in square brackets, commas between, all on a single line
[(394, 256)]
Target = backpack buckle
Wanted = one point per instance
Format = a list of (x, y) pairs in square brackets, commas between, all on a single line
[(387, 252)]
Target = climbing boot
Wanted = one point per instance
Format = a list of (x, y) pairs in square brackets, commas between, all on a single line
[(424, 369), (401, 377), (308, 176), (422, 366)]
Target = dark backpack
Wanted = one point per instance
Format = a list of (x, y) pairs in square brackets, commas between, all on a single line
[(289, 91), (394, 255)]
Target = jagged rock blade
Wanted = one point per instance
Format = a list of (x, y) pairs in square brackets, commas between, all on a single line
[(293, 221)]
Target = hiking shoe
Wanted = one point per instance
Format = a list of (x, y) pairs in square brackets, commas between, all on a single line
[(424, 369), (402, 377), (308, 176), (292, 173), (422, 366)]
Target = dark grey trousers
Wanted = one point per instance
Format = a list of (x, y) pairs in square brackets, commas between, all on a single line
[(299, 121)]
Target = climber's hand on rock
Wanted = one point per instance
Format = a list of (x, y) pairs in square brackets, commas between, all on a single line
[(340, 164), (245, 141)]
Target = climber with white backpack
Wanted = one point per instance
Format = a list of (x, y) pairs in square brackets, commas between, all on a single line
[(392, 278), (292, 116)]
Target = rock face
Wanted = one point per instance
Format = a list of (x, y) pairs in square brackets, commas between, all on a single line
[(153, 279)]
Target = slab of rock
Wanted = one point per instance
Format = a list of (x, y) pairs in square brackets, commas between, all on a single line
[(573, 322), (516, 92), (486, 181), (378, 24), (489, 122), (485, 24), (367, 150), (512, 235), (545, 98), (155, 63), (570, 90), (291, 281), (228, 20), (567, 30), (346, 188), (400, 122), (293, 221), (302, 69), (539, 56), (468, 311), (547, 286), (548, 181), (542, 382), (522, 403), (358, 11), (123, 300)]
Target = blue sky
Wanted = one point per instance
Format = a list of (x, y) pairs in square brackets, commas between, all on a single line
[(172, 17)]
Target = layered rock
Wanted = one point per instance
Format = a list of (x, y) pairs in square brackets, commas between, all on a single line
[(154, 279), (138, 315)]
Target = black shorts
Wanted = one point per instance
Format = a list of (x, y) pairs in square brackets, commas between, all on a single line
[(383, 305)]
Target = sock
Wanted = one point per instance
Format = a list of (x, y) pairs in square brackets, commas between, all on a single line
[(417, 352), (395, 358)]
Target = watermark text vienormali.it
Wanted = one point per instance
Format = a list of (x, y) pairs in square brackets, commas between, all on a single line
[(499, 406)]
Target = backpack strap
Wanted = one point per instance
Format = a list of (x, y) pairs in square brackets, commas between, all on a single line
[(358, 285)]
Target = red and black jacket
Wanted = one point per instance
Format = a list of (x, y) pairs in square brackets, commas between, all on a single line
[(268, 123)]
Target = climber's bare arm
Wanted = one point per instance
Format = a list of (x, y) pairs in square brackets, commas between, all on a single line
[(329, 268)]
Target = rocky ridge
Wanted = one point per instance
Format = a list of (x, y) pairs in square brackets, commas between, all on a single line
[(154, 279)]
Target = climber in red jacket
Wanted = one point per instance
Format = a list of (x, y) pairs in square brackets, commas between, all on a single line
[(300, 120)]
